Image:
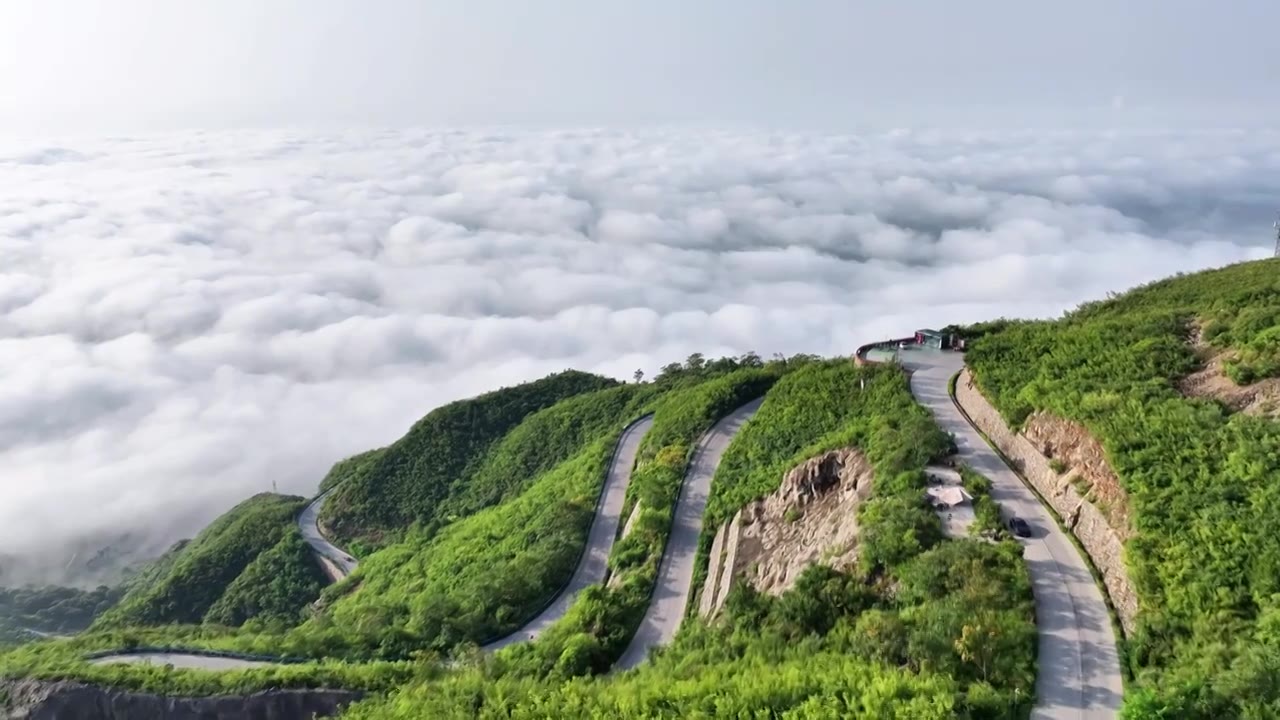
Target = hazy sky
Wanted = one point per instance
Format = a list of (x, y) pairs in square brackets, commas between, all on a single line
[(239, 240), (77, 65)]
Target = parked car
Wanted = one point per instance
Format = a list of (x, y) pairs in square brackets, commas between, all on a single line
[(1019, 527)]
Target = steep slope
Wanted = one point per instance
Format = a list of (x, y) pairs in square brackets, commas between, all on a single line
[(1079, 665), (417, 478), (275, 587), (185, 585), (54, 610), (921, 628), (597, 628), (593, 565), (898, 635), (675, 572), (1201, 480)]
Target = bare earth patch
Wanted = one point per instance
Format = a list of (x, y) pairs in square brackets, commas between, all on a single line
[(1261, 398), (810, 519), (1084, 464)]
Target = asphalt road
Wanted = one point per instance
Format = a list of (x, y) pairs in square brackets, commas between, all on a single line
[(1079, 668), (604, 528), (590, 570), (671, 595), (309, 524), (182, 660)]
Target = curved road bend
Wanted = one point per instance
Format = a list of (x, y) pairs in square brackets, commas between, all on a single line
[(590, 570), (331, 555), (604, 528), (675, 575), (1079, 668), (183, 660)]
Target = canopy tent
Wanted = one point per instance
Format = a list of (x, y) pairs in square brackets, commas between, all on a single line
[(948, 496)]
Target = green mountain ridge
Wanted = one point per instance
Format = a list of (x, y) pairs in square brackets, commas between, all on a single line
[(468, 524)]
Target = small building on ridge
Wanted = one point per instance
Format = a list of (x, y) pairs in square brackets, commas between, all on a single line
[(933, 339)]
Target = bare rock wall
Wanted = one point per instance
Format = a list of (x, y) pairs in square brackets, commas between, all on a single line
[(1103, 543)]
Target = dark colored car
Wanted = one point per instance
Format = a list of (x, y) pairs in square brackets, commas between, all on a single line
[(1019, 527)]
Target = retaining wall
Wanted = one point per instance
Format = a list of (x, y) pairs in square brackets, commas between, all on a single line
[(65, 700), (1082, 518)]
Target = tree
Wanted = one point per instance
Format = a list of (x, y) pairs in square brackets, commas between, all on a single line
[(638, 375), (978, 644)]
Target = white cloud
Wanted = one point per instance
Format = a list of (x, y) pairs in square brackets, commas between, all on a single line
[(187, 319)]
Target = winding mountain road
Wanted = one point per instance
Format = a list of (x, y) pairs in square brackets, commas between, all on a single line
[(1079, 668), (675, 575), (182, 660), (337, 563), (604, 528), (591, 568)]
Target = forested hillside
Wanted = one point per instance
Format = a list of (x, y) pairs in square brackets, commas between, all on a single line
[(518, 526), (922, 627), (1203, 481), (926, 629), (26, 613), (416, 479), (480, 574), (186, 583)]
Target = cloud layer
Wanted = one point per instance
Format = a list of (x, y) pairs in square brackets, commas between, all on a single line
[(188, 319)]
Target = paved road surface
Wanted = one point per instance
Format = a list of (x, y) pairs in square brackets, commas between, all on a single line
[(1079, 669), (604, 528), (309, 524), (675, 575), (591, 569), (182, 660)]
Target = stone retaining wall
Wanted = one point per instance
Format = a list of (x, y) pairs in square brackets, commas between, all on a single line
[(64, 700), (1082, 518)]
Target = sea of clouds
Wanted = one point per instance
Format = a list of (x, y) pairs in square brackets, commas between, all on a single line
[(189, 319)]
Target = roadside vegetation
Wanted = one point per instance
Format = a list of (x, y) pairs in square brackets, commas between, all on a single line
[(54, 610), (1203, 483), (183, 586), (479, 575), (415, 481), (597, 628), (924, 628)]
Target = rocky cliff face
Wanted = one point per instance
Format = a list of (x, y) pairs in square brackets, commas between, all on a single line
[(1101, 540), (63, 700), (811, 518), (1084, 460)]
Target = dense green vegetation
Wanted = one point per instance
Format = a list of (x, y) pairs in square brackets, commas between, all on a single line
[(274, 588), (926, 629), (415, 479), (596, 630), (1201, 482), (54, 610), (986, 512), (508, 558), (810, 411), (921, 628), (488, 572), (188, 581), (344, 470)]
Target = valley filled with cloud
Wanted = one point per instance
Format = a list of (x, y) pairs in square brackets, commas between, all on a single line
[(187, 319)]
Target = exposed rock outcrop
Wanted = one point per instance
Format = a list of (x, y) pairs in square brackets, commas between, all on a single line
[(614, 580), (811, 518), (1210, 381), (1084, 460), (65, 700), (1101, 540)]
